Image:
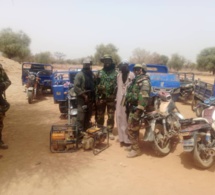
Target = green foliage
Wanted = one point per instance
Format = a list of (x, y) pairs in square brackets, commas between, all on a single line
[(163, 59), (188, 65), (44, 57), (109, 49), (14, 45), (176, 62), (206, 59)]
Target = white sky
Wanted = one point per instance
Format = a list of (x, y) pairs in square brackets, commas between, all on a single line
[(76, 27)]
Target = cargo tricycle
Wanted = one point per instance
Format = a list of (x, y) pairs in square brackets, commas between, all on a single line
[(37, 79)]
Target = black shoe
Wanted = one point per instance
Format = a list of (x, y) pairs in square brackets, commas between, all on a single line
[(122, 144), (126, 144), (3, 145)]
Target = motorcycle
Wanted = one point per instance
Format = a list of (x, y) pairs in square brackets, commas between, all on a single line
[(68, 107), (67, 138), (200, 106), (162, 125), (32, 86), (187, 85), (186, 91), (199, 137), (72, 107)]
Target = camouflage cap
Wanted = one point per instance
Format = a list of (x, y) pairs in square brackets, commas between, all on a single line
[(137, 66), (106, 56)]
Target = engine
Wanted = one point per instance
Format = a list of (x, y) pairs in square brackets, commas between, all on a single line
[(66, 138), (93, 137)]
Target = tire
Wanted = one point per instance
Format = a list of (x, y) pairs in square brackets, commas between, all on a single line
[(30, 97), (161, 148), (73, 120), (63, 107), (201, 160)]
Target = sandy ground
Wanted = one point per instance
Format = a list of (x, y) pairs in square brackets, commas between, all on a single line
[(29, 168)]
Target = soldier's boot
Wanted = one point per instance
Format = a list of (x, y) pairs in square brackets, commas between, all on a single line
[(111, 136), (3, 145), (128, 148), (133, 153)]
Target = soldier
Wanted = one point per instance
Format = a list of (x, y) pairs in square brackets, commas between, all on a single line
[(106, 88), (84, 88), (137, 98), (4, 84)]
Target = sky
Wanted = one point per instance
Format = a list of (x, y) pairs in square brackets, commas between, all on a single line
[(76, 27)]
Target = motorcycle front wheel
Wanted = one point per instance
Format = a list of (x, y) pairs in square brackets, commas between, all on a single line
[(201, 158), (30, 97), (63, 107), (162, 145)]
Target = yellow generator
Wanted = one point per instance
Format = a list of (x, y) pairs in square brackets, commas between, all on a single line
[(66, 138)]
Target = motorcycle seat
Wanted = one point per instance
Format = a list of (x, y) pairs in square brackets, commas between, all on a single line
[(185, 122)]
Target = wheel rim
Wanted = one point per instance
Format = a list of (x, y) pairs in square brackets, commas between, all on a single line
[(203, 155), (161, 141), (201, 158)]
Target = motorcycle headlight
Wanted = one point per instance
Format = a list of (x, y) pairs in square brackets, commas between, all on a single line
[(31, 77), (74, 111)]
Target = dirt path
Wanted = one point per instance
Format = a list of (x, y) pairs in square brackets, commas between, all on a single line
[(29, 168)]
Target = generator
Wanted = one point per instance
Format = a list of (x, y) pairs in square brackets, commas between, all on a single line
[(64, 138), (67, 138), (95, 138)]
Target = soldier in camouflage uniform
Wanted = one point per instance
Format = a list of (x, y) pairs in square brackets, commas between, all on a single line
[(4, 84), (106, 88), (137, 98), (84, 88)]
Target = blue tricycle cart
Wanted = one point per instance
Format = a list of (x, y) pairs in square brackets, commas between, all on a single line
[(62, 81), (161, 79), (37, 79), (202, 92)]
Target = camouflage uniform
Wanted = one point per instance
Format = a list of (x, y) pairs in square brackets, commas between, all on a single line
[(4, 84), (137, 98), (106, 88), (84, 114)]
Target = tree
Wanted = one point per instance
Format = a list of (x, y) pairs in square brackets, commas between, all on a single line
[(189, 65), (59, 56), (14, 45), (140, 56), (163, 59), (176, 62), (109, 49), (143, 56), (43, 57), (206, 59)]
